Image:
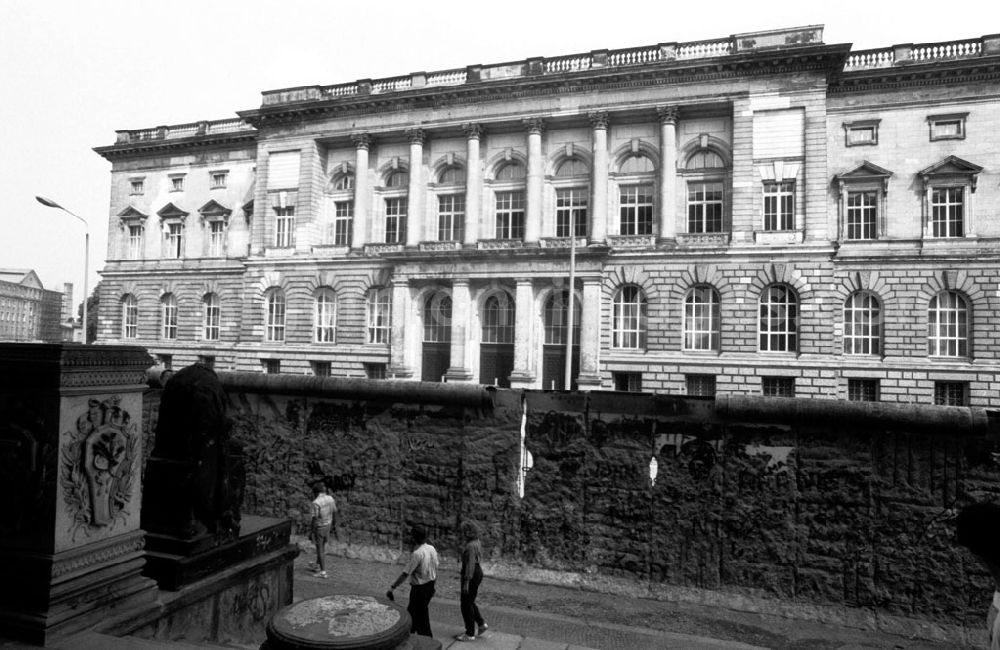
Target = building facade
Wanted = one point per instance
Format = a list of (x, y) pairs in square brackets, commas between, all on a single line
[(29, 313), (764, 213)]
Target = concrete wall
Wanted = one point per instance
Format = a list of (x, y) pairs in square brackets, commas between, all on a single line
[(805, 507)]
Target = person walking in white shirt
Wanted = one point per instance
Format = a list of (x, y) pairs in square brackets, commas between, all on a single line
[(324, 518), (422, 572)]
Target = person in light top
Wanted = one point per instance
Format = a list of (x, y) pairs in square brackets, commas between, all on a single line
[(472, 577), (978, 529), (421, 569), (324, 518)]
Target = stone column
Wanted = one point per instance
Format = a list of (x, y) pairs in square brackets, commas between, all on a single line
[(362, 193), (461, 307), (415, 200), (71, 547), (590, 335), (533, 212), (599, 180), (668, 172), (523, 375), (402, 333), (473, 185)]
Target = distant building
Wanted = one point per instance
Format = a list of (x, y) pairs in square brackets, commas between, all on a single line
[(763, 213), (28, 311)]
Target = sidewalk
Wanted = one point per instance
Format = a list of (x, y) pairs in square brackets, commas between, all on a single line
[(527, 616)]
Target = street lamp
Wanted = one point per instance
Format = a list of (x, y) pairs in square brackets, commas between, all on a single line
[(49, 203)]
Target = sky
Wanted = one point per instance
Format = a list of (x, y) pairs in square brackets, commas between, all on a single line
[(75, 71)]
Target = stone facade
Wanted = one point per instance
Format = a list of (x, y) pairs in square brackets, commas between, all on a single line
[(29, 313), (763, 213)]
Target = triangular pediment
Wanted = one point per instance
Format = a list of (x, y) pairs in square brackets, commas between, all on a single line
[(131, 213), (952, 165), (171, 211), (31, 279), (214, 209), (866, 170)]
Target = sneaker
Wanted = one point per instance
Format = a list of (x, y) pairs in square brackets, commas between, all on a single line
[(464, 637), (320, 574), (483, 628)]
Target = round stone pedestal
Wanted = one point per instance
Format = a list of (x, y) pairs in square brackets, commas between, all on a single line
[(339, 622)]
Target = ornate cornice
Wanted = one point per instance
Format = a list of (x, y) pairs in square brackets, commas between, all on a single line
[(985, 69), (146, 147)]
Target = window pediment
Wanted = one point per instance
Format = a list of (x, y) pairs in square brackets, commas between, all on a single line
[(132, 215), (951, 168), (214, 211), (171, 212), (866, 172)]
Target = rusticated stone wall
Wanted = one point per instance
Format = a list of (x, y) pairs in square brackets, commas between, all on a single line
[(804, 502)]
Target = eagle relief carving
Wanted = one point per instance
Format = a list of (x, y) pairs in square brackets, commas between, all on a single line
[(97, 466)]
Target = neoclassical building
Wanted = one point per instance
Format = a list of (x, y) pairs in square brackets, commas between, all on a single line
[(763, 213)]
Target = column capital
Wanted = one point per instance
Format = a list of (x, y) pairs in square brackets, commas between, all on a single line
[(534, 124), (460, 282), (416, 136), (667, 114), (599, 120), (522, 281), (473, 131), (362, 140)]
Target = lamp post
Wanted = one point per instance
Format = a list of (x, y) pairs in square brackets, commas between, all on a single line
[(49, 203)]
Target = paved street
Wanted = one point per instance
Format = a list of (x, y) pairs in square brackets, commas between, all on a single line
[(525, 616)]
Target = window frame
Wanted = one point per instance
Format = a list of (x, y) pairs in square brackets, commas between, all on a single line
[(174, 239), (436, 312), (933, 222), (325, 315), (777, 386), (451, 218), (168, 317), (284, 226), (509, 212), (788, 332), (693, 315), (860, 126), (869, 343), (136, 243), (493, 328), (864, 389), (631, 380), (137, 186), (945, 391), (378, 316), (213, 317), (217, 235), (275, 315), (935, 121), (130, 317), (638, 215), (555, 333), (214, 179), (773, 206), (630, 318), (176, 182), (395, 210), (699, 381), (956, 317)]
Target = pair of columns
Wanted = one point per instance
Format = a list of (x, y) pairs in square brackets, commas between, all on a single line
[(528, 339), (533, 186)]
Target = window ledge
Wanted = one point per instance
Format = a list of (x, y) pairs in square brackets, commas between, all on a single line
[(561, 242), (495, 244), (382, 249), (778, 237), (330, 250), (632, 241), (283, 251), (450, 245), (703, 239)]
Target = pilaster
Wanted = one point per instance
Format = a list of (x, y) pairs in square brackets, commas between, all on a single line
[(362, 190), (403, 332), (523, 375), (473, 184), (599, 180), (415, 198), (533, 214), (461, 304), (668, 172), (590, 335)]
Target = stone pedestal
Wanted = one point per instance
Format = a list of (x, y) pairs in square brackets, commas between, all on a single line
[(71, 550)]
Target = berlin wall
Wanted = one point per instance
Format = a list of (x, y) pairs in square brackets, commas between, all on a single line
[(806, 507)]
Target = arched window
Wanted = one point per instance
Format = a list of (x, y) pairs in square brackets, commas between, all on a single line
[(274, 324), (862, 324), (437, 318), (635, 196), (130, 317), (498, 319), (705, 159), (779, 319), (452, 175), (948, 325), (398, 178), (555, 316), (572, 167), (702, 322), (343, 183), (638, 164), (628, 325), (379, 313), (169, 304), (213, 316), (512, 171), (325, 315)]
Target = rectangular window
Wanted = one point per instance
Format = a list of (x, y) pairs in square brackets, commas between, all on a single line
[(217, 239), (207, 361), (451, 217), (321, 368), (379, 316), (284, 227), (137, 186), (571, 208), (862, 214), (861, 133), (219, 180), (779, 206), (271, 366), (166, 360), (700, 385), (777, 386), (628, 382), (395, 220), (343, 222), (177, 183), (375, 370), (951, 393), (135, 241), (213, 318), (635, 204), (863, 390), (510, 215), (175, 240), (947, 127), (704, 207), (947, 212)]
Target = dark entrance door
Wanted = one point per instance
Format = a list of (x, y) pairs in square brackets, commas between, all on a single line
[(555, 318), (436, 360), (496, 362), (437, 337), (554, 367)]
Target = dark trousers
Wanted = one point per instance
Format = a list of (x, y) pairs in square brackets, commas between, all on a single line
[(420, 599), (470, 611)]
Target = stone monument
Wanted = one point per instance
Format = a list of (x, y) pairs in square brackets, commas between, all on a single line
[(70, 489)]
